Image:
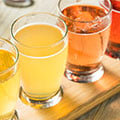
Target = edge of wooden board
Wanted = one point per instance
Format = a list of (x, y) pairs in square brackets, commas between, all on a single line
[(93, 102)]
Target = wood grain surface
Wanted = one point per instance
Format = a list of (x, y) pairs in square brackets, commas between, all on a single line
[(108, 110), (78, 98)]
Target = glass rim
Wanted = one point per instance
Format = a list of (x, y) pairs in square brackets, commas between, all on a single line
[(36, 13), (114, 10), (60, 12), (16, 56)]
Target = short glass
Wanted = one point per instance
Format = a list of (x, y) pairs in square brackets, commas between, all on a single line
[(42, 41), (18, 3), (88, 24), (113, 49), (9, 80)]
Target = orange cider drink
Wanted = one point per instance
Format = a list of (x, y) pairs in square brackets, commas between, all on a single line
[(88, 34), (113, 49)]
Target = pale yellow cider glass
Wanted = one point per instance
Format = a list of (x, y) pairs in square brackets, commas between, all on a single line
[(42, 42), (9, 80)]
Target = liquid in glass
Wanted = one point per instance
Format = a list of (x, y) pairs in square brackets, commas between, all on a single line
[(41, 69), (88, 25), (113, 49), (9, 85)]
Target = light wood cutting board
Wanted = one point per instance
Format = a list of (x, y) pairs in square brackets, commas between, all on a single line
[(78, 98)]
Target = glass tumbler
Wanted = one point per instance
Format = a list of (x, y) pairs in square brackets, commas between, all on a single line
[(113, 49), (88, 24), (9, 80), (42, 41), (18, 3)]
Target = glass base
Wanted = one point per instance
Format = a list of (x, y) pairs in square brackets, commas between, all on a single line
[(113, 50), (86, 77), (113, 54), (10, 116), (15, 117), (41, 103), (18, 3)]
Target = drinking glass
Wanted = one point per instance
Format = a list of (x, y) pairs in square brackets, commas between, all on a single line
[(42, 42), (113, 48), (88, 24), (9, 80), (18, 3)]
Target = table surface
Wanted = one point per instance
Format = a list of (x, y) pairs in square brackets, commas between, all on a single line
[(108, 110)]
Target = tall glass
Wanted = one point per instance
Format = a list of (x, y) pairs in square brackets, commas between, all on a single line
[(9, 80), (18, 3), (113, 49), (88, 24), (42, 42)]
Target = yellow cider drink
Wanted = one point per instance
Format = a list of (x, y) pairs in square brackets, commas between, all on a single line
[(9, 84), (42, 58), (42, 42)]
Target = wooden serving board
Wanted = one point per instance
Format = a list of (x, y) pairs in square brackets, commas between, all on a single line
[(78, 98)]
